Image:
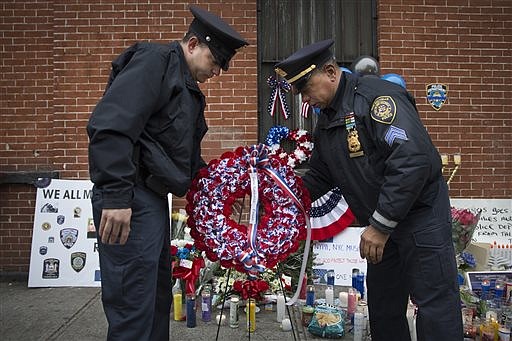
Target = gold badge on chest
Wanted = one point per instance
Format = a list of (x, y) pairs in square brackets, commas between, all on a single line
[(354, 146)]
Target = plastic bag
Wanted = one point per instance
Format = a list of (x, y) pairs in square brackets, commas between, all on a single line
[(328, 322)]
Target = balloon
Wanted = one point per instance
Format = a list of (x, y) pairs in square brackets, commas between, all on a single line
[(365, 65), (394, 78)]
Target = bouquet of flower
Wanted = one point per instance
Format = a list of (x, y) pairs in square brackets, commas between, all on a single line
[(240, 284), (463, 225), (187, 263)]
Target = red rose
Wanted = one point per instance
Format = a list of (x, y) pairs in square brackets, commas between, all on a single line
[(173, 250)]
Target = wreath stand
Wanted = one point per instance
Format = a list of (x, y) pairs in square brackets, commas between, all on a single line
[(292, 320)]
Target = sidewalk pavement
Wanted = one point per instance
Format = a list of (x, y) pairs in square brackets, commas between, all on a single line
[(76, 314)]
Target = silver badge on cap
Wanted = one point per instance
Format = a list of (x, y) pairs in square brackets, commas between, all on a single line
[(208, 38)]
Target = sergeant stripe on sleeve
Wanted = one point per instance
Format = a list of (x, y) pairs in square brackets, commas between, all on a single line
[(395, 133)]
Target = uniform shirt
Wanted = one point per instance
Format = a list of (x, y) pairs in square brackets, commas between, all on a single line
[(389, 177), (151, 93)]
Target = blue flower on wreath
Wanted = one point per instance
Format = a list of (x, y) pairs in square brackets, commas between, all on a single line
[(183, 253)]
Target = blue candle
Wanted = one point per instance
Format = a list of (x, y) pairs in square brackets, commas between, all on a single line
[(360, 283), (310, 295), (330, 277), (191, 311)]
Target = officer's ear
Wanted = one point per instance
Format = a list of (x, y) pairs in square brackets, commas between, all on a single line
[(192, 43), (330, 70)]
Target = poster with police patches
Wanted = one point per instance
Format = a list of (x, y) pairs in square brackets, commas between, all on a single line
[(64, 247)]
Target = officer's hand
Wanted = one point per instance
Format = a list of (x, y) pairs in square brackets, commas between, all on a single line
[(115, 225), (372, 244)]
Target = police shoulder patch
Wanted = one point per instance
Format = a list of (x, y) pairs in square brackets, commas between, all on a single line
[(383, 109)]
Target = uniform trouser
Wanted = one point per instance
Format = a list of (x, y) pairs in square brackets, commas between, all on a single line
[(136, 277), (418, 261)]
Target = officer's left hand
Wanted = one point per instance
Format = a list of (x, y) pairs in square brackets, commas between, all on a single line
[(372, 244), (115, 225)]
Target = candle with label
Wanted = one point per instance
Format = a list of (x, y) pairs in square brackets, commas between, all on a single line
[(191, 310), (177, 298), (233, 312), (206, 303), (251, 314), (329, 295), (280, 306), (310, 295)]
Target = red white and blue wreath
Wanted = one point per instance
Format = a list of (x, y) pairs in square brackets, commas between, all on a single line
[(271, 184), (303, 144)]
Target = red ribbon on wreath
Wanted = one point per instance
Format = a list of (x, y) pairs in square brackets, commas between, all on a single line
[(251, 288), (190, 275)]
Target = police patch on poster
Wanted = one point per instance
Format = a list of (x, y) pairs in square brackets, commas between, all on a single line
[(63, 253), (339, 254)]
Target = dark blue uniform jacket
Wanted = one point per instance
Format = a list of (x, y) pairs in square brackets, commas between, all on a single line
[(151, 118), (390, 181)]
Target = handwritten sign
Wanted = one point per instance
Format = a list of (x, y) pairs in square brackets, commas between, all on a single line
[(495, 225), (341, 254)]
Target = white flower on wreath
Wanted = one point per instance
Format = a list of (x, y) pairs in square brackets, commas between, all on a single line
[(181, 242)]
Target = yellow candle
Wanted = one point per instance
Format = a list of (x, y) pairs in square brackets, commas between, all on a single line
[(177, 306), (251, 315)]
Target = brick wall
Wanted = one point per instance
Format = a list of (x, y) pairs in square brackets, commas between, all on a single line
[(56, 58), (55, 62), (464, 44)]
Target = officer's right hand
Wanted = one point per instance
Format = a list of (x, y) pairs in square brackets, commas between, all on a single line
[(115, 225)]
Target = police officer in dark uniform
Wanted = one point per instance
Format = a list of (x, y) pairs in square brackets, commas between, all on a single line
[(371, 143), (145, 136)]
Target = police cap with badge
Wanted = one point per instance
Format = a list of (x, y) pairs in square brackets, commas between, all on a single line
[(297, 68), (221, 38)]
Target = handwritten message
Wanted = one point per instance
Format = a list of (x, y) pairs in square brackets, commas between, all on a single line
[(495, 224), (340, 255)]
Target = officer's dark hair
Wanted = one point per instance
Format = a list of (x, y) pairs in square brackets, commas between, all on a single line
[(191, 34)]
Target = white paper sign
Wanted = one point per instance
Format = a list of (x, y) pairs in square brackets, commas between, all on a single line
[(495, 224), (340, 255), (64, 247)]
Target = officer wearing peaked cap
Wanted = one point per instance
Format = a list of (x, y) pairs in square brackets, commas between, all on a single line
[(145, 136), (371, 143), (297, 68), (222, 40)]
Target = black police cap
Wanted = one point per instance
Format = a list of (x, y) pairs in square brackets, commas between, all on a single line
[(296, 67), (221, 38)]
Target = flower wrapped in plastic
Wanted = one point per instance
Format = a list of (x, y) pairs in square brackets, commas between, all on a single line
[(463, 225)]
